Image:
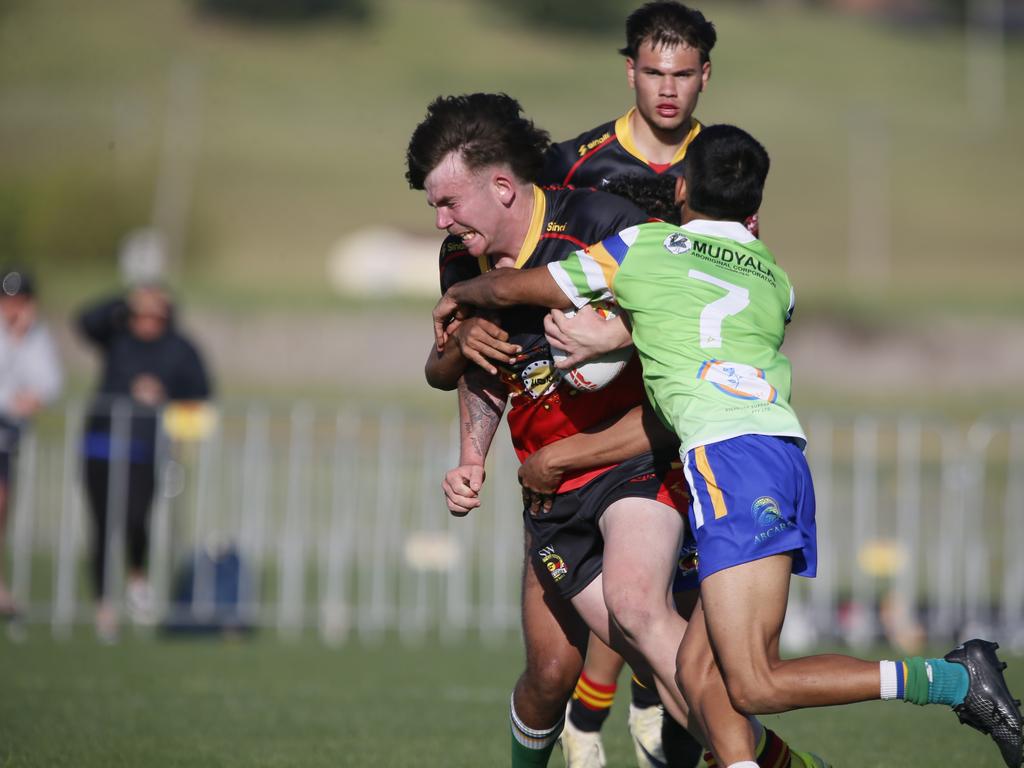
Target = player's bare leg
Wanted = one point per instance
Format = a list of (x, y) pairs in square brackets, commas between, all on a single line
[(634, 611), (555, 640), (732, 737), (744, 607)]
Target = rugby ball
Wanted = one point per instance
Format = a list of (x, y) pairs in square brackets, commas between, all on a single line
[(601, 371)]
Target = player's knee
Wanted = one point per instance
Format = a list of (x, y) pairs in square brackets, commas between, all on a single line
[(551, 679), (631, 615), (753, 692)]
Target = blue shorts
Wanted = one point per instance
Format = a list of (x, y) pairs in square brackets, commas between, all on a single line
[(751, 497)]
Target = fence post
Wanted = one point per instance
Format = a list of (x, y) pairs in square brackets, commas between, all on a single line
[(292, 592), (64, 606)]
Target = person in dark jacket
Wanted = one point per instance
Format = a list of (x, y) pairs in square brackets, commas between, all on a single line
[(146, 363)]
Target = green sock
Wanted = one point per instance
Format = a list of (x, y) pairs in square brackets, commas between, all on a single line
[(948, 684), (935, 681), (916, 690), (531, 747), (525, 757)]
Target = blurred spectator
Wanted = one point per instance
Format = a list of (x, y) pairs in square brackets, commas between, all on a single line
[(30, 377), (146, 363)]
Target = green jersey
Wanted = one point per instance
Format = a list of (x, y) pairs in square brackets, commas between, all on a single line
[(709, 307)]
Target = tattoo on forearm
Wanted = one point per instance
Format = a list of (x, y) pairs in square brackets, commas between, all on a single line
[(480, 409)]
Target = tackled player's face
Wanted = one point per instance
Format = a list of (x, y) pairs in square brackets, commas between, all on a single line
[(668, 81), (467, 204)]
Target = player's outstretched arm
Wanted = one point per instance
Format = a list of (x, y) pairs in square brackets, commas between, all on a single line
[(497, 288)]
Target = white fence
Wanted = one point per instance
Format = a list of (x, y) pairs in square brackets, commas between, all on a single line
[(339, 524)]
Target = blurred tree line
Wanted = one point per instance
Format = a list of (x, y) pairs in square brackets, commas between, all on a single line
[(606, 16), (78, 215), (287, 10)]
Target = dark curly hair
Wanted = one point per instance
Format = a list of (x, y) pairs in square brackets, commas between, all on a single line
[(656, 195), (484, 128)]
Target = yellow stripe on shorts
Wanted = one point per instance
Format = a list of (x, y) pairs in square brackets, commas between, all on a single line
[(717, 500)]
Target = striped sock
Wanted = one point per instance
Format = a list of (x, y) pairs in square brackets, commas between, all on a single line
[(893, 676), (531, 747), (924, 681), (591, 704)]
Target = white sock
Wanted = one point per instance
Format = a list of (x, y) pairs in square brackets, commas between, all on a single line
[(744, 764), (889, 672), (532, 738)]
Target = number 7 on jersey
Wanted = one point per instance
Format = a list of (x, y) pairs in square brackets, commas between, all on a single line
[(735, 301)]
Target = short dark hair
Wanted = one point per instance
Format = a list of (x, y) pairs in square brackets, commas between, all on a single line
[(725, 171), (484, 128), (656, 195), (669, 23)]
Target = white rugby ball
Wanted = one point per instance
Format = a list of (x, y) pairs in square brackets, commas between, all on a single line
[(601, 371)]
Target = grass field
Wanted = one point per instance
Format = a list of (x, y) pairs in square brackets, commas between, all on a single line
[(260, 702)]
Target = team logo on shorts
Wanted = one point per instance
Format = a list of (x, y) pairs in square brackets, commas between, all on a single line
[(688, 560), (677, 243), (768, 517), (554, 563)]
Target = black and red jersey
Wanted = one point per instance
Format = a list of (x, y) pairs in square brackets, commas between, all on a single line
[(600, 154), (543, 408)]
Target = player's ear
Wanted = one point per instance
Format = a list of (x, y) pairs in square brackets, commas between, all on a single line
[(705, 74), (631, 72), (504, 188), (680, 197)]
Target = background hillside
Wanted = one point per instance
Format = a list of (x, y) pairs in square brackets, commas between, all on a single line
[(891, 202)]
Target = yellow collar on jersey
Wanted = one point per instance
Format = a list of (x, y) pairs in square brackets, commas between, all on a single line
[(625, 136), (540, 207)]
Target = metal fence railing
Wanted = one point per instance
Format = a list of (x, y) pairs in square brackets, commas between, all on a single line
[(300, 516)]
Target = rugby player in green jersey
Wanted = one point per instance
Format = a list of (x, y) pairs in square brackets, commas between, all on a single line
[(708, 306)]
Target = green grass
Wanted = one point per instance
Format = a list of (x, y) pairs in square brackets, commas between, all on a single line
[(261, 702)]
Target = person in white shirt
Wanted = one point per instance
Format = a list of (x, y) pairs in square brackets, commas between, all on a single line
[(30, 377)]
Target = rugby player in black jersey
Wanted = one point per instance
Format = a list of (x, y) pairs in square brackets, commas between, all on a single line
[(475, 156), (668, 64)]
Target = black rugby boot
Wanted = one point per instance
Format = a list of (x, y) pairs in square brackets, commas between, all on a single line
[(988, 706)]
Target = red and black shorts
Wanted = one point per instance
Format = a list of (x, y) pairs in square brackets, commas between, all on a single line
[(567, 542)]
